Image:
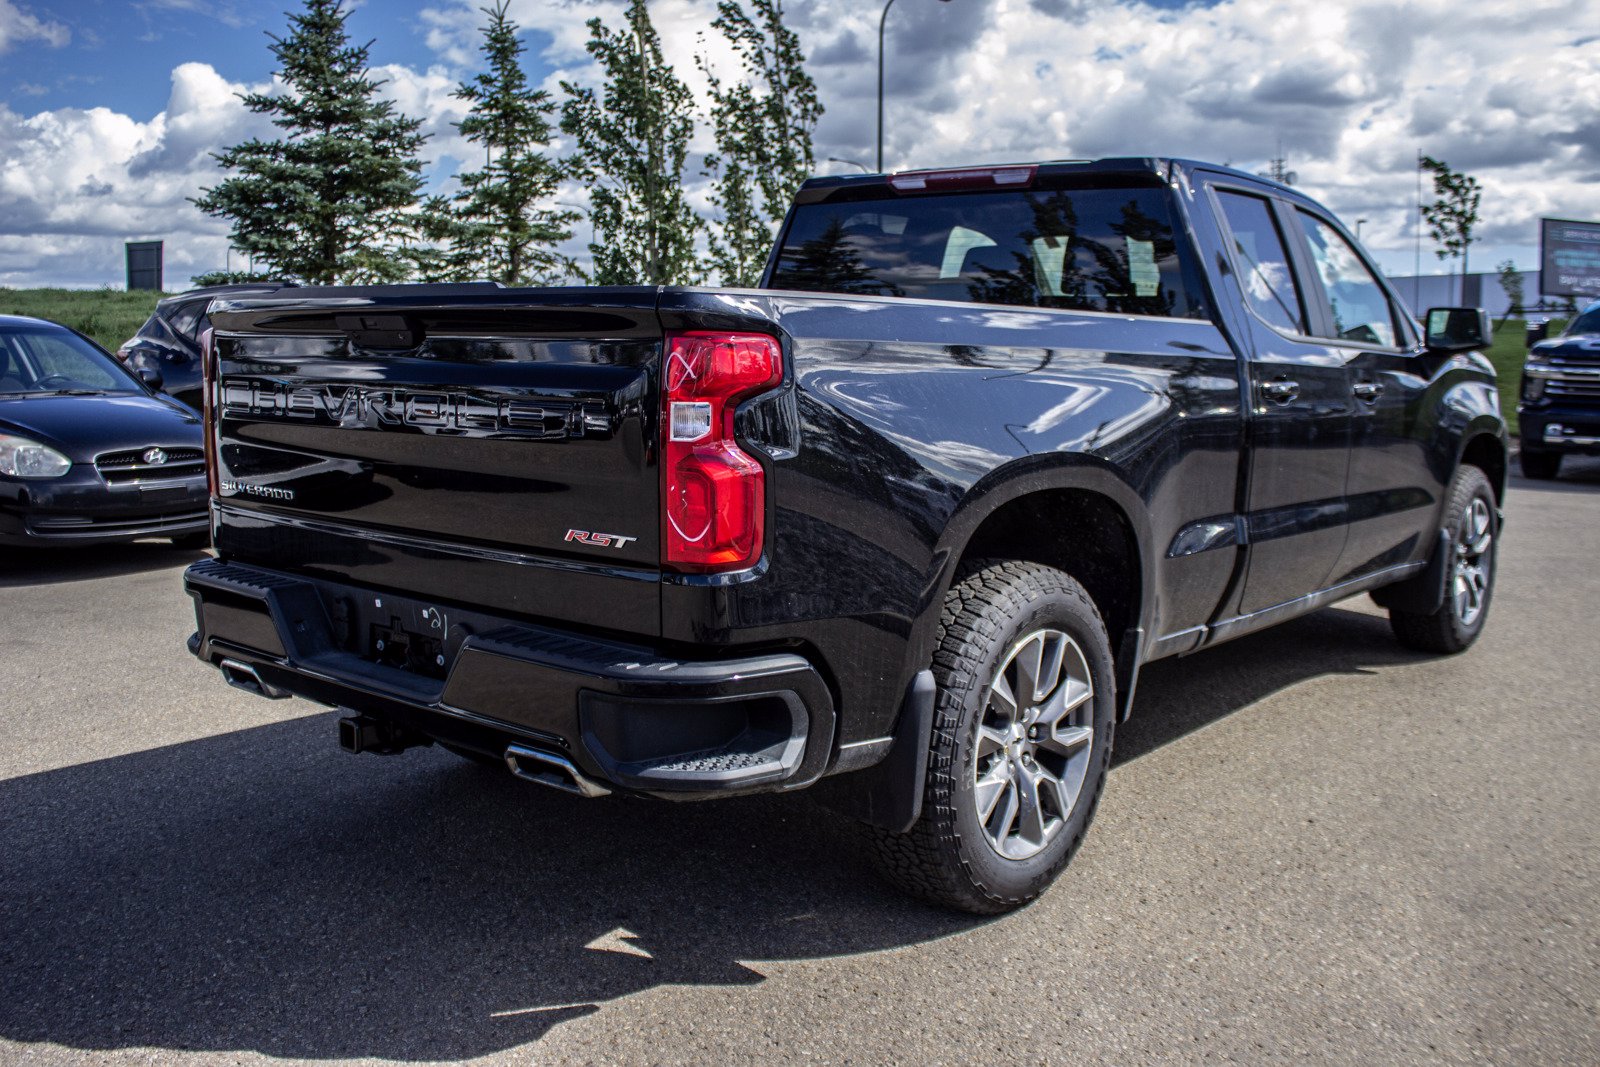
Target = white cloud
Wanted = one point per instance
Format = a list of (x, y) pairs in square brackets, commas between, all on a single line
[(18, 25), (1508, 90), (1350, 89), (75, 183)]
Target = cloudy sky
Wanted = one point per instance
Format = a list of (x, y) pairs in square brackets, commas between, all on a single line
[(109, 110)]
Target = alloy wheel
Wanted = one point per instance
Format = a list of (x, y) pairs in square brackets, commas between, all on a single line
[(1470, 589), (1034, 743)]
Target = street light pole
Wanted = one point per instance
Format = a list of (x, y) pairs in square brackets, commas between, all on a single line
[(1358, 228), (882, 19)]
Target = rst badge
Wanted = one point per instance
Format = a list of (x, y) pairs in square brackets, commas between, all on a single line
[(598, 540)]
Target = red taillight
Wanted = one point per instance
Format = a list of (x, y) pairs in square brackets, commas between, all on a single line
[(714, 495), (208, 409)]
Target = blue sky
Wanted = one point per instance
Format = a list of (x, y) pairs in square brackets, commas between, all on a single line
[(109, 111), (122, 54)]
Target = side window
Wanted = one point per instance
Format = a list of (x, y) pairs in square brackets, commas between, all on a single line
[(1361, 311), (186, 319), (1261, 261)]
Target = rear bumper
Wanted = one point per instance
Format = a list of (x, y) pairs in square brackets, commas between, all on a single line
[(622, 714)]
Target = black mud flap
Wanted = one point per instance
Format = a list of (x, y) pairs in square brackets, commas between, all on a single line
[(888, 794), (1422, 593)]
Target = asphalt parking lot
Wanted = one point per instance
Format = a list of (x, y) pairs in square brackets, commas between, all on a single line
[(1314, 844)]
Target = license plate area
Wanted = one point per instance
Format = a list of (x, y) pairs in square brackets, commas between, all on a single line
[(410, 635), (394, 646)]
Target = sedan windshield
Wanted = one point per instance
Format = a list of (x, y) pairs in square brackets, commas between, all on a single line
[(45, 360)]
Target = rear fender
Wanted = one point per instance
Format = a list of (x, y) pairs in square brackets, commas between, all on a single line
[(1035, 474)]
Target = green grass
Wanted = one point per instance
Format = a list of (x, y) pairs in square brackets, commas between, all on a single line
[(109, 316)]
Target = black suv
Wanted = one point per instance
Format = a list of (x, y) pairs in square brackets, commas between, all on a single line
[(166, 350)]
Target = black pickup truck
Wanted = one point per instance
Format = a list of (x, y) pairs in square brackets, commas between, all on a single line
[(1559, 411), (902, 524)]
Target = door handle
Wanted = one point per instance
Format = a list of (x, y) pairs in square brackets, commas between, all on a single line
[(1368, 391), (1280, 390)]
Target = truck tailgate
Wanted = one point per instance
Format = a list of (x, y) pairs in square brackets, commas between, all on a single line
[(467, 443)]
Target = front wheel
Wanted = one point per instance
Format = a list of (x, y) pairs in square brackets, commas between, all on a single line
[(1021, 740), (1474, 529)]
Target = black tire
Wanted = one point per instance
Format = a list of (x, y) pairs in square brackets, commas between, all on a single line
[(1451, 628), (1540, 466), (193, 542), (947, 857)]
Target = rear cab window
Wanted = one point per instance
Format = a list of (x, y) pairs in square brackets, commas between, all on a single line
[(1082, 249)]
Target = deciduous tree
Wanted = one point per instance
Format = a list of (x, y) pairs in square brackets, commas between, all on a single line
[(1453, 215), (763, 121), (1511, 285), (632, 141)]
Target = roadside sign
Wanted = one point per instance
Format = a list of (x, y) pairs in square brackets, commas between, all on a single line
[(1569, 258)]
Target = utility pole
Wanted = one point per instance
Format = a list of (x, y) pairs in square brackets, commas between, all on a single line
[(1416, 271), (882, 19)]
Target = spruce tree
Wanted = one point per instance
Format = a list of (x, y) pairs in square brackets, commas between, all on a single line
[(763, 124), (333, 200), (494, 227), (632, 141)]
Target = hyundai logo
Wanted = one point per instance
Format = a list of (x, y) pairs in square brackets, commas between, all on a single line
[(154, 457)]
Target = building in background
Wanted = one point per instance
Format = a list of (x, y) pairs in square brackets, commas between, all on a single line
[(1481, 290)]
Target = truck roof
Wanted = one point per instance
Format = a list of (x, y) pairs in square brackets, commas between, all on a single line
[(1148, 168)]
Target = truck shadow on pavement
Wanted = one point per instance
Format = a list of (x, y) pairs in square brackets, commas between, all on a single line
[(263, 891), (1579, 474), (49, 566)]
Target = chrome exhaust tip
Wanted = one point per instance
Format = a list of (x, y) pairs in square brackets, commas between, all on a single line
[(244, 676), (552, 770)]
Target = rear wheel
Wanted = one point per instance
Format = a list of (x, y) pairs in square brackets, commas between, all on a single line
[(1541, 466), (1021, 740), (193, 542), (1474, 531)]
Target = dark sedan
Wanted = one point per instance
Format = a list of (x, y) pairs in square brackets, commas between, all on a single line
[(88, 454), (167, 346)]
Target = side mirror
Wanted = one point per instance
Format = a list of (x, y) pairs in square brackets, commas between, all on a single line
[(1538, 331), (1458, 329), (149, 376)]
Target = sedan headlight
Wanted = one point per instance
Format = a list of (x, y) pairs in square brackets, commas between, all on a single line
[(22, 458)]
